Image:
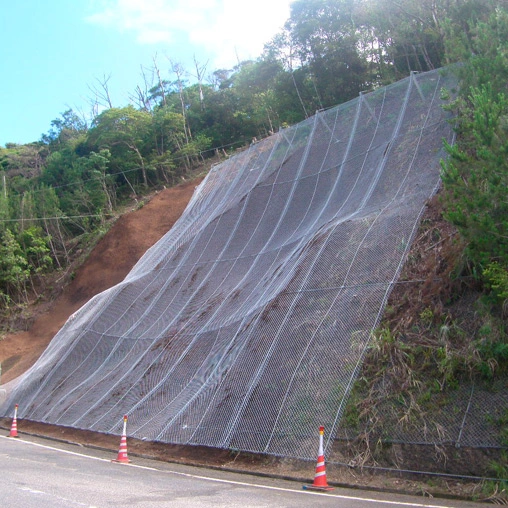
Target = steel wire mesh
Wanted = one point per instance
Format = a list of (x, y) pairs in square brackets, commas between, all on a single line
[(244, 327)]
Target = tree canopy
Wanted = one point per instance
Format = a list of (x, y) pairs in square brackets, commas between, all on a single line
[(67, 183)]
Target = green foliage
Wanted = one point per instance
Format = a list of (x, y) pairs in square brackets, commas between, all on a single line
[(475, 177), (500, 471), (502, 422), (64, 129), (14, 269), (35, 249), (497, 279), (127, 133), (409, 34), (479, 39), (323, 35), (21, 259), (4, 205), (493, 358), (23, 160)]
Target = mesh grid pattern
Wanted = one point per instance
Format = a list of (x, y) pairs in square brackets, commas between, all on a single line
[(245, 326)]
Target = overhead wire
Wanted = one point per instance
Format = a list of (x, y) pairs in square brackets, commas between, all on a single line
[(97, 178)]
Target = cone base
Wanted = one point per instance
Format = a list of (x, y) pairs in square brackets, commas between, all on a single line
[(12, 436), (121, 461), (316, 487)]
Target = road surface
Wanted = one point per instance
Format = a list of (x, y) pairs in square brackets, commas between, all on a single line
[(37, 473)]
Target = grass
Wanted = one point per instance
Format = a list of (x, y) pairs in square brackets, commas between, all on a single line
[(441, 339)]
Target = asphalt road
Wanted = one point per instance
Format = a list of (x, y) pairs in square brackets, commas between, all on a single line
[(37, 473)]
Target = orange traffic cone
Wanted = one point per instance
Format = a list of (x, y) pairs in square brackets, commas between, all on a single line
[(122, 452), (320, 476), (14, 426)]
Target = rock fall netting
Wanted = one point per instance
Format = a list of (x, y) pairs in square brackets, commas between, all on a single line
[(245, 325)]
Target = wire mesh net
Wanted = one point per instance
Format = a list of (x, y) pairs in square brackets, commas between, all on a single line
[(245, 326)]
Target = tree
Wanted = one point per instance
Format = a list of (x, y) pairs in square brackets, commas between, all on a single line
[(121, 128), (101, 97), (481, 42), (48, 209), (14, 271), (63, 129), (97, 186), (25, 160), (200, 72), (27, 210), (4, 203), (256, 85), (325, 38), (169, 137), (475, 176), (36, 251), (141, 96)]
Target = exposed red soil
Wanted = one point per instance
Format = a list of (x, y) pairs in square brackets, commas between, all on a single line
[(108, 264)]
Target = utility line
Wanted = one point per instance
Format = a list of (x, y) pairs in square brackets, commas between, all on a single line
[(53, 218), (91, 179), (81, 182)]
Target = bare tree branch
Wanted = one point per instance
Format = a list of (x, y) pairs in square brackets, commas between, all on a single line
[(101, 96)]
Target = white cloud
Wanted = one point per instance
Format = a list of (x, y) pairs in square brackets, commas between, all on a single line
[(222, 29)]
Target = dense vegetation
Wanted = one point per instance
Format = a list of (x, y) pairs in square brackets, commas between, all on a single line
[(70, 181)]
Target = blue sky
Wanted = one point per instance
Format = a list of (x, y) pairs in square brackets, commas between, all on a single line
[(53, 51)]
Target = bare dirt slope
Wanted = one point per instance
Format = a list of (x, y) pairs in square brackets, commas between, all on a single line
[(108, 264)]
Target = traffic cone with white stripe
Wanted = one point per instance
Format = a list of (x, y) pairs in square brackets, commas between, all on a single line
[(320, 482), (122, 452), (14, 426)]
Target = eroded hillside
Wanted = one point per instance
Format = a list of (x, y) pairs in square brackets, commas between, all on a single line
[(110, 261)]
